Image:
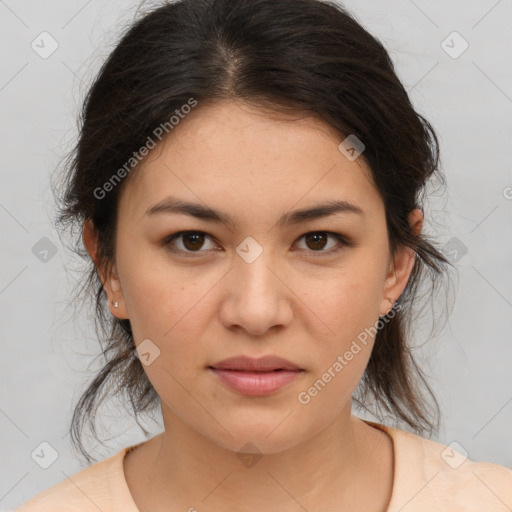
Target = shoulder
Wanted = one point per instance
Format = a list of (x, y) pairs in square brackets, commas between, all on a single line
[(91, 489), (433, 476)]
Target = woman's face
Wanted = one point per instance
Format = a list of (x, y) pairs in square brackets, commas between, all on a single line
[(256, 286)]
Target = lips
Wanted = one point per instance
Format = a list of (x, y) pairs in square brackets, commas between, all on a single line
[(263, 364), (256, 377)]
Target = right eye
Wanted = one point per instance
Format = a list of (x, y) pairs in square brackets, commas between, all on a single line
[(190, 242)]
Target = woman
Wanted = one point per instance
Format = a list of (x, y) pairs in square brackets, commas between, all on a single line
[(248, 180)]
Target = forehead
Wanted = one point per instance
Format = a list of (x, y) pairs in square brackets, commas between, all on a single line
[(231, 156)]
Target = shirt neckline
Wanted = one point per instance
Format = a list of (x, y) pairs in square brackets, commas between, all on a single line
[(394, 435), (126, 494)]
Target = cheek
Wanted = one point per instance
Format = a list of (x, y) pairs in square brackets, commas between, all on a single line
[(341, 356), (340, 360), (158, 296), (171, 310), (348, 302)]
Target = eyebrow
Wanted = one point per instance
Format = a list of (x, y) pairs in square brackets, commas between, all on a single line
[(172, 205)]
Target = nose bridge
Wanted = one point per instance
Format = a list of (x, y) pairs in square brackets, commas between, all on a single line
[(255, 291), (252, 268)]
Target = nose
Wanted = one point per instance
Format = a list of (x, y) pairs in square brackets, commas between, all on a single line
[(256, 296)]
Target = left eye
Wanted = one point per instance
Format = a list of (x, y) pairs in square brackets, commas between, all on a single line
[(192, 241), (318, 238)]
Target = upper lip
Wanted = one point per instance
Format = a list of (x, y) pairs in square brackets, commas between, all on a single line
[(262, 364)]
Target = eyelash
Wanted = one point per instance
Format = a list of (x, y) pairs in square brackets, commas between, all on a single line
[(321, 253)]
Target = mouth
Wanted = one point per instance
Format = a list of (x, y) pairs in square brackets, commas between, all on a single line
[(262, 364), (256, 377)]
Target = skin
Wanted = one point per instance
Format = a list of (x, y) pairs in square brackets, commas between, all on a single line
[(293, 301)]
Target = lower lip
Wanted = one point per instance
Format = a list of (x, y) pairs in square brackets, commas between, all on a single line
[(256, 383)]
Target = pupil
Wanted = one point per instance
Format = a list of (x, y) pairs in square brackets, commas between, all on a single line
[(317, 239), (196, 237)]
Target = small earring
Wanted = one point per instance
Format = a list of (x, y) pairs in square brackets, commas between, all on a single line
[(116, 304)]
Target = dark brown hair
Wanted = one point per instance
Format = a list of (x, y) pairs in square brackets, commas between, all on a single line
[(286, 56)]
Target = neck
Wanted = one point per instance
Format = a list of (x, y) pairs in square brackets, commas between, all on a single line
[(335, 466)]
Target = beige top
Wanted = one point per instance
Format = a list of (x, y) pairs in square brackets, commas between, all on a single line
[(428, 477)]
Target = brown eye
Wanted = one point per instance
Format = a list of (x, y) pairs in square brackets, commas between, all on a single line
[(317, 241), (191, 241)]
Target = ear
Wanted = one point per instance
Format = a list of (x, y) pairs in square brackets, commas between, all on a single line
[(110, 280), (401, 266)]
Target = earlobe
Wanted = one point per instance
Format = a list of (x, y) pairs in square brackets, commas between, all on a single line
[(398, 276), (110, 279), (114, 292)]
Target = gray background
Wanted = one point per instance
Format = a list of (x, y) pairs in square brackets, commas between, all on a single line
[(46, 347)]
